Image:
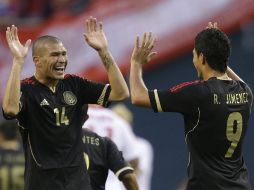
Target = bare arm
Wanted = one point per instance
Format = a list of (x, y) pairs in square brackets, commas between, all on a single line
[(231, 74), (96, 38), (19, 52), (140, 56), (130, 182)]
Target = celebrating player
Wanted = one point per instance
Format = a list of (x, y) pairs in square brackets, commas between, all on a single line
[(49, 106), (216, 110)]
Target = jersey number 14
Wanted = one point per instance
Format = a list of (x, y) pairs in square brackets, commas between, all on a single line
[(61, 118)]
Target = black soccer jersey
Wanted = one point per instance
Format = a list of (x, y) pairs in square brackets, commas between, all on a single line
[(101, 154), (12, 164), (54, 120), (216, 115)]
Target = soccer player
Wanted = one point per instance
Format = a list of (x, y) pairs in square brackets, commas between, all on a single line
[(144, 169), (216, 110), (49, 106), (102, 155), (12, 160), (106, 123)]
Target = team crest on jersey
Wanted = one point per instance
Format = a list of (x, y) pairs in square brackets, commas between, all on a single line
[(69, 98)]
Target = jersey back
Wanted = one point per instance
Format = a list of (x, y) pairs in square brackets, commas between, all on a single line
[(101, 155), (216, 115)]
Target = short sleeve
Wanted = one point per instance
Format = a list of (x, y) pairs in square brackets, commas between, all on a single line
[(181, 98), (115, 160), (93, 92)]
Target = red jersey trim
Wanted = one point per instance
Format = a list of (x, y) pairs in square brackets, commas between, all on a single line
[(179, 86), (29, 80), (70, 75)]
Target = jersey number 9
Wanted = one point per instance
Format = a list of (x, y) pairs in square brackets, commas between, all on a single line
[(234, 131)]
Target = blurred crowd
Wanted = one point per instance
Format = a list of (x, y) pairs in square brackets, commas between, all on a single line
[(30, 12)]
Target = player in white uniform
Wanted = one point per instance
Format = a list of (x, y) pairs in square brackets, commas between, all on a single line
[(145, 150), (145, 164), (105, 122)]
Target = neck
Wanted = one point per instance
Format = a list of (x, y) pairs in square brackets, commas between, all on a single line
[(51, 83), (212, 73)]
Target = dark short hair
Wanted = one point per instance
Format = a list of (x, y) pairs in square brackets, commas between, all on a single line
[(215, 47), (9, 129), (43, 40)]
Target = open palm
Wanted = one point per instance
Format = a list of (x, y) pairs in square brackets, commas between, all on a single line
[(18, 50), (142, 53), (95, 36)]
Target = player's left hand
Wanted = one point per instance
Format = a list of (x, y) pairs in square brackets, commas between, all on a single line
[(143, 54), (94, 35), (212, 25)]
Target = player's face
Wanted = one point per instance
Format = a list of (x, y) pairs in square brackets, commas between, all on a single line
[(54, 61), (197, 62)]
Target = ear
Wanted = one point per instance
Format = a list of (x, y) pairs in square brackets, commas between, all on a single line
[(36, 61), (202, 58)]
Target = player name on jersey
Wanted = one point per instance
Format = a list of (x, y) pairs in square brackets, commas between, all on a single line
[(237, 98), (91, 140)]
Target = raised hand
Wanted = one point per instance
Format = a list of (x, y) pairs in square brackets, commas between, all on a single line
[(143, 54), (18, 50), (95, 36)]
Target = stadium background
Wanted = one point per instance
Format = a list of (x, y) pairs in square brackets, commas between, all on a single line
[(176, 23)]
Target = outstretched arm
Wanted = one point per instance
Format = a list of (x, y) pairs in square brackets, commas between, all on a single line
[(231, 74), (140, 56), (19, 52), (130, 182), (96, 38)]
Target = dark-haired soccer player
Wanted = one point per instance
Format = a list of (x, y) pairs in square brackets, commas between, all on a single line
[(49, 107), (101, 155), (216, 110), (12, 160)]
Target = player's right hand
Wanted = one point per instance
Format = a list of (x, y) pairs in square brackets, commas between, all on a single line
[(18, 50), (212, 25)]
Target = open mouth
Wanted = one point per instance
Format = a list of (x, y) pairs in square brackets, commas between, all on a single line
[(59, 69)]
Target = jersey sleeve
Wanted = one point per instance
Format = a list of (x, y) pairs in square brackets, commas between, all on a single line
[(181, 98), (93, 92), (115, 160)]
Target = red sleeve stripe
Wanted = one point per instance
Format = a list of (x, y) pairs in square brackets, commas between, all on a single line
[(28, 81), (177, 87)]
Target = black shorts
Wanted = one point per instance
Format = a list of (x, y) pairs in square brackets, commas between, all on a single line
[(70, 178)]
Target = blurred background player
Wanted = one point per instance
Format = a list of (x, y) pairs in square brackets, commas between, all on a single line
[(101, 155), (12, 161), (144, 170), (106, 123)]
